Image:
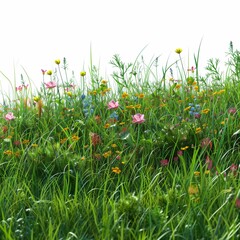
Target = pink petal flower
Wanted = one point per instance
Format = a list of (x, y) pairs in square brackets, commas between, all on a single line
[(51, 84), (113, 105), (138, 118), (237, 203), (209, 163), (164, 162), (232, 110), (9, 116)]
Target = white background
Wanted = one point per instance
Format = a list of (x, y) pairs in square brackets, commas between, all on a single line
[(35, 33)]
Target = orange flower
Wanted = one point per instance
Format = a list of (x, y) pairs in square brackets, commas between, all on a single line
[(116, 170)]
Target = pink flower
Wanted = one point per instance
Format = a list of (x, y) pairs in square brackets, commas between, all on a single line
[(206, 142), (43, 71), (237, 203), (19, 88), (51, 84), (232, 110), (113, 105), (209, 163), (9, 116), (138, 118), (164, 162)]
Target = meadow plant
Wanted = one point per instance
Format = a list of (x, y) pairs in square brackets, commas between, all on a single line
[(152, 158)]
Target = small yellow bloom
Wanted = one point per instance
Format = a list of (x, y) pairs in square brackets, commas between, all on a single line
[(223, 122), (8, 152), (124, 95), (107, 154), (34, 145), (163, 105), (114, 145), (140, 95), (206, 111), (107, 125), (69, 94), (49, 72), (121, 123), (36, 98), (26, 141), (130, 107), (75, 138), (178, 86), (57, 61), (207, 172), (197, 173), (82, 74), (184, 148), (138, 106), (83, 158), (198, 130), (178, 50), (187, 108), (116, 170), (196, 88), (193, 189), (63, 140), (104, 82)]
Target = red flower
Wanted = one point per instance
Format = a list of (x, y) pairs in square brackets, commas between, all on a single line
[(43, 71), (164, 162), (206, 142), (95, 139), (237, 203), (209, 163)]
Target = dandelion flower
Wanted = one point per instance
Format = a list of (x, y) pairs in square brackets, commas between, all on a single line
[(178, 50)]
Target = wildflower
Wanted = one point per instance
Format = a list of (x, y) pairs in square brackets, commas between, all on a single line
[(206, 142), (63, 140), (164, 162), (98, 118), (232, 110), (113, 105), (184, 148), (193, 189), (209, 163), (51, 84), (178, 50), (43, 71), (114, 145), (138, 118), (124, 95), (114, 116), (206, 111), (116, 170), (9, 116), (57, 61), (196, 88), (95, 139), (8, 152), (107, 125), (36, 98), (75, 138), (138, 106), (17, 143), (192, 69), (49, 72), (187, 108), (19, 88), (177, 86), (180, 153), (198, 130), (140, 95), (34, 145), (69, 94), (107, 154), (233, 168), (82, 74), (130, 107), (197, 173), (26, 141), (104, 82), (237, 203)]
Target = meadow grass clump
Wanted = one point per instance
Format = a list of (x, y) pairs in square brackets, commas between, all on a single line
[(141, 155)]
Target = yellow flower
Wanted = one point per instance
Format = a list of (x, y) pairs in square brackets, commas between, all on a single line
[(36, 98), (57, 61), (130, 107), (75, 138), (184, 148), (124, 95), (187, 108), (206, 111), (104, 82), (107, 154), (178, 50), (8, 152), (121, 123), (69, 94), (116, 170), (82, 74), (62, 141), (25, 141), (49, 72), (140, 95), (34, 145), (196, 88), (198, 130), (107, 125), (114, 145), (137, 106), (178, 86), (197, 173), (193, 189)]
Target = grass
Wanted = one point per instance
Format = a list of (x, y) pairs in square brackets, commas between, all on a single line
[(141, 155)]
